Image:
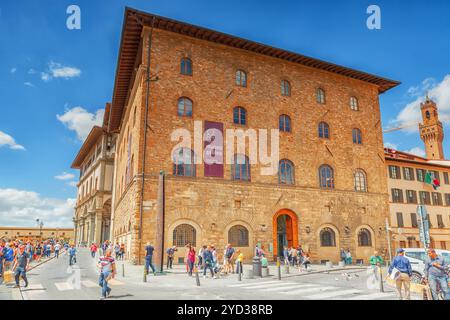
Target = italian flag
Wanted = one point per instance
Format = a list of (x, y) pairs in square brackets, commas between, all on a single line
[(429, 179)]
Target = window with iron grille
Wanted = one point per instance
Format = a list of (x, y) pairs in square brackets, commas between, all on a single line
[(411, 196), (320, 96), (425, 197), (364, 238), (400, 223), (184, 234), (437, 199), (238, 236), (420, 175), (394, 172), (354, 104), (397, 195), (327, 238), (186, 66), (408, 174), (414, 220)]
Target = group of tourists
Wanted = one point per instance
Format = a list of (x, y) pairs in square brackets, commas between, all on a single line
[(16, 256), (118, 249), (296, 257), (346, 256)]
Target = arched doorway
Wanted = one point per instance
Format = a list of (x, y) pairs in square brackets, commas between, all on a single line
[(285, 231)]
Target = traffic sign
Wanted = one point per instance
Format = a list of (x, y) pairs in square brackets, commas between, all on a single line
[(424, 225)]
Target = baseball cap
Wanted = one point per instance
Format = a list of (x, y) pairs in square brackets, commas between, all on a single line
[(400, 250)]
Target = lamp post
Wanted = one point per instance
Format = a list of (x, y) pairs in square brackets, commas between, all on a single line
[(40, 225)]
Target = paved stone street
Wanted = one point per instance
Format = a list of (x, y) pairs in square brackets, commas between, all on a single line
[(54, 280)]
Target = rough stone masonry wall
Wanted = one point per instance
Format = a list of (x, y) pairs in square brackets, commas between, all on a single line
[(212, 89)]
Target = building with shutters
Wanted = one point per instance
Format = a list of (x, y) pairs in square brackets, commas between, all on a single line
[(330, 190), (408, 187)]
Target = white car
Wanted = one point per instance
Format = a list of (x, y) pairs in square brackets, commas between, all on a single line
[(417, 257)]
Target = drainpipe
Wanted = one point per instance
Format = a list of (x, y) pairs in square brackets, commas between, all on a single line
[(147, 98)]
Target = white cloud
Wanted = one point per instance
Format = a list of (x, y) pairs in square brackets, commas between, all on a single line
[(32, 71), (22, 208), (410, 116), (29, 84), (81, 121), (73, 183), (65, 176), (417, 151), (390, 145), (7, 140), (13, 70), (57, 70)]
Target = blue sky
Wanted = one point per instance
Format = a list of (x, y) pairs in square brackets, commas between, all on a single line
[(54, 81)]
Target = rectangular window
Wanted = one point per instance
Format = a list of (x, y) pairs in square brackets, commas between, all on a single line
[(394, 172), (424, 197), (437, 199), (400, 220), (435, 175), (414, 220), (408, 174), (440, 221), (411, 196), (397, 196), (420, 175), (429, 222), (446, 180), (447, 199)]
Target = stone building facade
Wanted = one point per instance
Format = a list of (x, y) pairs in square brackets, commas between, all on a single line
[(30, 233), (331, 192), (95, 160), (408, 188)]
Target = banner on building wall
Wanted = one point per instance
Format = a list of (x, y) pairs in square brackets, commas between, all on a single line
[(213, 152)]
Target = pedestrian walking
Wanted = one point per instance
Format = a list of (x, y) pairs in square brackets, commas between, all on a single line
[(239, 261), (343, 255), (107, 266), (2, 256), (376, 261), (200, 257), (228, 257), (286, 256), (122, 251), (8, 256), (170, 254), (20, 266), (57, 248), (208, 262), (149, 249), (191, 259), (306, 260), (401, 271), (93, 250), (72, 255), (435, 275)]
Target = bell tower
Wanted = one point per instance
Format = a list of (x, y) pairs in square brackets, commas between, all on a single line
[(431, 131)]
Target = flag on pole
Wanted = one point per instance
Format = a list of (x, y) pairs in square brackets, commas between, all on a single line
[(431, 180)]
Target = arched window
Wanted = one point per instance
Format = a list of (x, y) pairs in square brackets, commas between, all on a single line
[(185, 107), (241, 78), (241, 168), (285, 88), (184, 163), (364, 238), (327, 238), (324, 130), (320, 96), (238, 236), (285, 123), (357, 136), (186, 66), (286, 172), (240, 116), (354, 104), (184, 234), (326, 177), (360, 181)]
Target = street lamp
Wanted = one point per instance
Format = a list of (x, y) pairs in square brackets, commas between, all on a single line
[(40, 225)]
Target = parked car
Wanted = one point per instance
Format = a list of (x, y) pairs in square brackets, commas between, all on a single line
[(417, 257)]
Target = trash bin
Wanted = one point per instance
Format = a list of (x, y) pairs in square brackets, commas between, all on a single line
[(257, 272)]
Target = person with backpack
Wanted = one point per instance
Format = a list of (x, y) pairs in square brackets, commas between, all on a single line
[(208, 262), (20, 266)]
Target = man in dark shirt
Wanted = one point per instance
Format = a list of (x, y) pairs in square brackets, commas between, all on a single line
[(20, 266), (148, 258)]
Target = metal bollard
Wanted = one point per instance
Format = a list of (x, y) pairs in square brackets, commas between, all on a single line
[(239, 271), (145, 275), (279, 268), (197, 278), (381, 279), (123, 270)]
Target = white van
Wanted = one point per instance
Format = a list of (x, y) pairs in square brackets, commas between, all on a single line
[(417, 257)]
